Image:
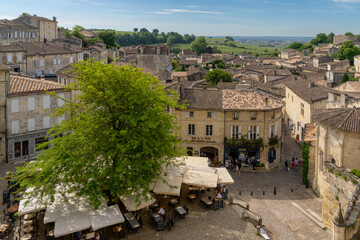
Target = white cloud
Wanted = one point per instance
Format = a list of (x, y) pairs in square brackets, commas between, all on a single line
[(192, 11), (159, 12), (347, 1), (280, 3)]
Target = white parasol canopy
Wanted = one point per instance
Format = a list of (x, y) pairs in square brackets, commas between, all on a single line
[(132, 205), (105, 217), (196, 161), (30, 204), (200, 179), (74, 222), (224, 176)]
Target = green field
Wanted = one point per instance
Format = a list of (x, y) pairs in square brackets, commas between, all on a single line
[(236, 48)]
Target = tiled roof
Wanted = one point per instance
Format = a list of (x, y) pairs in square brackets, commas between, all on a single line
[(310, 132), (24, 85), (187, 62), (346, 119), (311, 94), (66, 71), (202, 99), (9, 23), (4, 68), (188, 52), (38, 48), (249, 100)]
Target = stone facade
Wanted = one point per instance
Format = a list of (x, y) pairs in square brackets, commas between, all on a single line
[(338, 39), (320, 60), (14, 57), (4, 81), (11, 32), (357, 63), (47, 28)]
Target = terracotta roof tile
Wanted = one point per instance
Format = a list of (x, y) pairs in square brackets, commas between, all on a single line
[(24, 85), (4, 67), (346, 119)]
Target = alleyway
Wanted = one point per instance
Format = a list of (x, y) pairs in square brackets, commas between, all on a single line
[(279, 215)]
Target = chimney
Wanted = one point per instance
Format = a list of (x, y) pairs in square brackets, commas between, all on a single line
[(5, 20), (329, 84), (266, 101), (274, 72), (34, 15), (54, 19), (42, 77)]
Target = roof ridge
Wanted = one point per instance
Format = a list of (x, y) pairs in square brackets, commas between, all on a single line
[(343, 121), (340, 110)]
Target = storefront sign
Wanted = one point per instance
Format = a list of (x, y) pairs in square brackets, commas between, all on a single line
[(26, 137), (202, 139)]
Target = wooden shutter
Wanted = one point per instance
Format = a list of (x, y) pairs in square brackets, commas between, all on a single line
[(239, 134), (213, 115), (231, 132), (269, 131), (249, 131), (186, 114), (257, 132), (275, 131)]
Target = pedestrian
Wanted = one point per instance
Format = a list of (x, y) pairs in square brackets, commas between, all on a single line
[(286, 166), (253, 163), (296, 162), (239, 166), (292, 165)]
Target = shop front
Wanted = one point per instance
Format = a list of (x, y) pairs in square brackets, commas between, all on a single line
[(242, 153), (22, 148)]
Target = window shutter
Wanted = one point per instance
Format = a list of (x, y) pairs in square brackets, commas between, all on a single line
[(257, 132), (46, 101), (31, 124), (14, 105), (31, 103), (275, 130), (186, 114), (239, 132), (269, 131), (15, 127), (60, 101), (231, 132), (46, 121), (213, 115), (249, 131)]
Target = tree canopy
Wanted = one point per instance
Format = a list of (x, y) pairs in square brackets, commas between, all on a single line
[(109, 37), (348, 51), (115, 137), (199, 45), (215, 76), (320, 38)]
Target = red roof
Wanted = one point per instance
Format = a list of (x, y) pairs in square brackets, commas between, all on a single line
[(24, 85)]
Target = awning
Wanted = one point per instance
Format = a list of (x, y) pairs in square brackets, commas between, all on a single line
[(224, 176), (105, 217), (74, 222), (132, 205), (30, 205), (60, 208), (200, 179), (201, 169), (172, 187), (196, 161)]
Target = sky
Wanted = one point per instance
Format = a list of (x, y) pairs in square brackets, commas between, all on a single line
[(209, 18)]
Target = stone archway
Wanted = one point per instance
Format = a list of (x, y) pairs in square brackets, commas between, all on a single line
[(209, 152)]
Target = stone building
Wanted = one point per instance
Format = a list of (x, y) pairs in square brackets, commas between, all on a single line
[(47, 28), (357, 63), (39, 58), (4, 84), (339, 39), (302, 98), (156, 57), (317, 61), (231, 123), (29, 115), (11, 32), (336, 153)]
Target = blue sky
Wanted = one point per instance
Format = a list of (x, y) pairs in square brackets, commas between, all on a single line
[(210, 17)]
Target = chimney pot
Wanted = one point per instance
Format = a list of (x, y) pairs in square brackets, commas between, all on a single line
[(266, 102), (54, 19)]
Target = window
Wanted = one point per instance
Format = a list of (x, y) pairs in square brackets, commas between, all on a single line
[(235, 116), (302, 109), (46, 122), (41, 62), (191, 129), (272, 131), (71, 59), (39, 141), (33, 63), (44, 29), (253, 115), (272, 114), (191, 114), (19, 57), (51, 70), (15, 34), (253, 132), (61, 101), (18, 149), (9, 57), (54, 61), (209, 114), (46, 101), (31, 103), (15, 126), (33, 35), (235, 132), (15, 105), (59, 61), (60, 119), (209, 130), (31, 124)]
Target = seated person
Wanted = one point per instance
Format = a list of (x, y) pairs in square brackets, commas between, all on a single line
[(161, 211), (8, 221), (97, 236), (219, 196)]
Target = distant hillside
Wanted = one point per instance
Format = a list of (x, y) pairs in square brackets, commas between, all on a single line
[(269, 38)]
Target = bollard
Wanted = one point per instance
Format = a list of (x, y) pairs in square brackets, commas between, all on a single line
[(292, 190), (239, 192), (263, 192), (274, 190), (251, 193)]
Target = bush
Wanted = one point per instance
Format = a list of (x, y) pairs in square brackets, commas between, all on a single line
[(337, 173), (331, 170), (262, 164), (305, 168), (356, 172), (345, 177), (353, 181)]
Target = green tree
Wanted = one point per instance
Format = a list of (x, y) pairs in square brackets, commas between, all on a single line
[(109, 37), (79, 28), (348, 51), (135, 29), (155, 31), (295, 45), (345, 78), (170, 40), (115, 137), (331, 37), (199, 45), (350, 34), (143, 30), (77, 34), (92, 41), (176, 50), (174, 63), (228, 38), (215, 76), (305, 167)]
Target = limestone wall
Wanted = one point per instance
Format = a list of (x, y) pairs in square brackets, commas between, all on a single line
[(335, 185)]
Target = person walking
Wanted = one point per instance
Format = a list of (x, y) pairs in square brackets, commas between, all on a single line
[(253, 161), (286, 166), (239, 166)]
